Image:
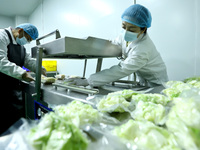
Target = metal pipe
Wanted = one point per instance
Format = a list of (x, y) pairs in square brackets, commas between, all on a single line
[(38, 73), (99, 64), (47, 35), (85, 65)]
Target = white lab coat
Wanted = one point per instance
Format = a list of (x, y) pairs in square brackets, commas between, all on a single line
[(8, 67), (140, 57)]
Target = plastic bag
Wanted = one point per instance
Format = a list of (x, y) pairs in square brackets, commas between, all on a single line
[(146, 136), (184, 119), (16, 138), (149, 111), (103, 139), (115, 101)]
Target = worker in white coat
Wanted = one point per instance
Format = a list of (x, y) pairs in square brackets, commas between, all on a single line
[(140, 55), (13, 57)]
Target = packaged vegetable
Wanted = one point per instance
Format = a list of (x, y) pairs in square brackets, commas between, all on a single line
[(184, 120), (78, 112), (113, 104), (175, 88), (127, 94), (149, 111), (194, 81), (154, 98), (116, 101), (146, 136), (56, 133)]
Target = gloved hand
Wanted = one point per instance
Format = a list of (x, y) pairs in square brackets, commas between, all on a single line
[(79, 82), (44, 71), (27, 77)]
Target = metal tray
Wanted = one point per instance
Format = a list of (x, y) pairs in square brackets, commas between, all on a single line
[(69, 47)]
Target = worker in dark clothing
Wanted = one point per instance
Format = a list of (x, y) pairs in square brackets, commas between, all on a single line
[(13, 57)]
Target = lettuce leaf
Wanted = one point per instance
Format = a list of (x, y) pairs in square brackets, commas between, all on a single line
[(56, 133), (113, 104), (175, 88), (116, 101), (145, 135), (127, 94), (184, 121), (78, 112), (154, 98), (149, 111)]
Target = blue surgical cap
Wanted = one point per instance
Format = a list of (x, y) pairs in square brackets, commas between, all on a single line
[(29, 29), (137, 15)]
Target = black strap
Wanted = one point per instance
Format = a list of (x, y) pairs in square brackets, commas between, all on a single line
[(8, 33)]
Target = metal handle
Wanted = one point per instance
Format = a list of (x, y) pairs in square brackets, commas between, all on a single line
[(47, 35)]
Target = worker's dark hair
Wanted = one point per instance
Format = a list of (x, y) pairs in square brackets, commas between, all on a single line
[(144, 29)]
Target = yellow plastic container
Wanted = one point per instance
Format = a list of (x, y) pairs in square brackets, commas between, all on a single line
[(50, 65)]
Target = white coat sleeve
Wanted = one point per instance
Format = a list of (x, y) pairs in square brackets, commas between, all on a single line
[(30, 62), (6, 66), (130, 65)]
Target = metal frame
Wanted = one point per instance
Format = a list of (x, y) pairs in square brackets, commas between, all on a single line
[(40, 50), (56, 32), (38, 73)]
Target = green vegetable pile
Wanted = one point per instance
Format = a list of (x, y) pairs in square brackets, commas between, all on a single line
[(184, 121), (154, 98), (146, 136), (59, 130), (149, 107), (149, 111), (175, 88), (79, 113), (194, 81), (56, 133), (158, 121), (116, 101)]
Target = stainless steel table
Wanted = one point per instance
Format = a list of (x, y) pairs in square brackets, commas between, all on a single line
[(52, 96)]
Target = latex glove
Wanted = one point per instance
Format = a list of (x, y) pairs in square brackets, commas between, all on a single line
[(79, 82)]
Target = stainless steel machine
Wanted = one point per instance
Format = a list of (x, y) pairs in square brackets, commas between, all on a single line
[(73, 48), (69, 48)]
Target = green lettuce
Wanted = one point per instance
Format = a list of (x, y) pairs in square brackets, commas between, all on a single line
[(145, 135), (78, 112), (149, 111), (56, 133), (113, 104), (175, 88), (154, 98), (116, 101), (194, 81), (127, 94), (184, 121)]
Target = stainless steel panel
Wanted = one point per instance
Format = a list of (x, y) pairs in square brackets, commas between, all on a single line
[(69, 47)]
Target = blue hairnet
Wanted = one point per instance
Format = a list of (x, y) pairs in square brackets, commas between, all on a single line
[(29, 29), (137, 15)]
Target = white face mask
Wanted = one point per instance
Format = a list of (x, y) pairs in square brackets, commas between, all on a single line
[(129, 36), (21, 41)]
